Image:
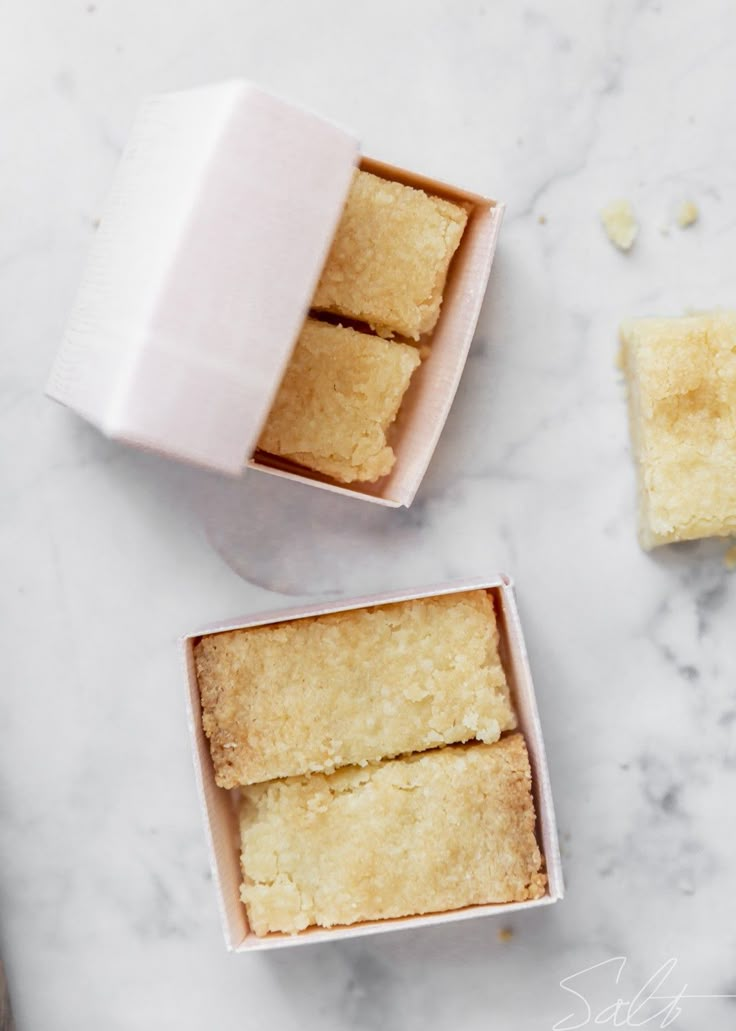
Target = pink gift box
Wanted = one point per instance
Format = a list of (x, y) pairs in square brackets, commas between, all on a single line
[(222, 213), (218, 807)]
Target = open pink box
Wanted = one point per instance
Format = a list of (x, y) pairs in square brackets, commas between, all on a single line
[(219, 812), (208, 253)]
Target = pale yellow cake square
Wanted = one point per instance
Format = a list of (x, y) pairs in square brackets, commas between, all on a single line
[(340, 394), (450, 828), (681, 375), (350, 687), (388, 262)]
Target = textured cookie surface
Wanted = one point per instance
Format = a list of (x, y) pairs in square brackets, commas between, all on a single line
[(351, 687), (340, 393), (453, 827), (681, 376), (389, 259)]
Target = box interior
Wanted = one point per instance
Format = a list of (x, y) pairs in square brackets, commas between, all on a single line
[(218, 803), (427, 402)]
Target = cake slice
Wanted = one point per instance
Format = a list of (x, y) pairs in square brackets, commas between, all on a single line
[(340, 393), (388, 262), (427, 833), (351, 687), (681, 375)]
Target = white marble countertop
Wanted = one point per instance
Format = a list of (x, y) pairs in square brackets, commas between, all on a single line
[(107, 913)]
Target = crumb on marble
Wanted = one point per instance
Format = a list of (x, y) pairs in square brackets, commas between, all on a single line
[(729, 559), (505, 934), (687, 214), (542, 219), (620, 224)]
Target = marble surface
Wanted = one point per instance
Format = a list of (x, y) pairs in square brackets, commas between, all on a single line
[(107, 914)]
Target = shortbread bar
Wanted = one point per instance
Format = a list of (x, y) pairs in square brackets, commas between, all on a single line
[(350, 687), (389, 259), (681, 376), (427, 833), (339, 395)]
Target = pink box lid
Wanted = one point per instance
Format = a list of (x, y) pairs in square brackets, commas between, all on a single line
[(223, 209)]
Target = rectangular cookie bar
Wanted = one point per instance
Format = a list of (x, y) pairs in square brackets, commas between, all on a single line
[(339, 395), (389, 259), (350, 687), (681, 375), (427, 833)]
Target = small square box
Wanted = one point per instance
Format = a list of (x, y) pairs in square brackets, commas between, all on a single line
[(681, 375), (218, 804), (203, 269)]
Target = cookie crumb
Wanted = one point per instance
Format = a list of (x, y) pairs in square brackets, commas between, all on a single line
[(729, 559), (542, 220), (620, 224), (505, 934), (687, 214)]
